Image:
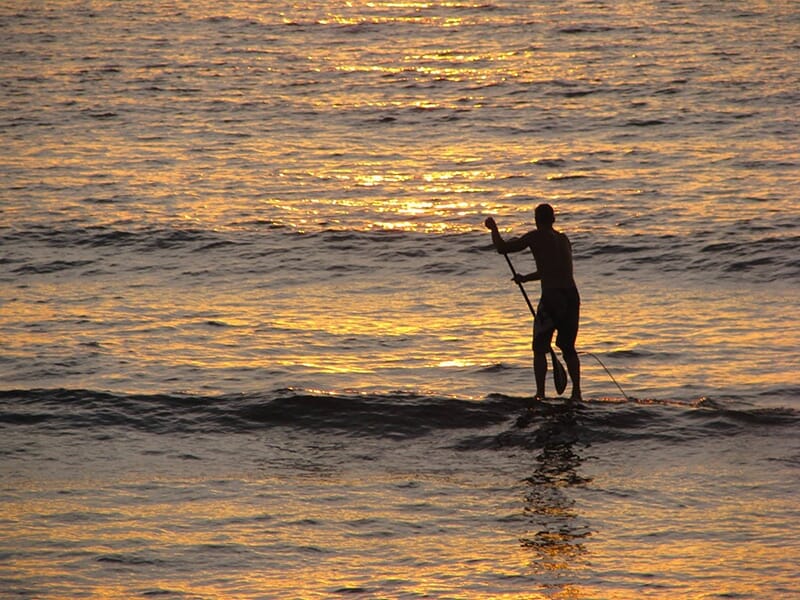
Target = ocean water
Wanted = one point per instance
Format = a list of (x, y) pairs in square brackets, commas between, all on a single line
[(256, 343)]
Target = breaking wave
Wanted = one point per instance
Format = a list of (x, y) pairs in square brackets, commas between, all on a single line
[(495, 422)]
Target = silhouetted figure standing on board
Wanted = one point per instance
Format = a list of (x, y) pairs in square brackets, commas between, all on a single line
[(559, 305)]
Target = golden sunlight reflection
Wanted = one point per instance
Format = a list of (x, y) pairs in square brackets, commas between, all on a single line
[(370, 180), (407, 197), (357, 13), (456, 363), (203, 519)]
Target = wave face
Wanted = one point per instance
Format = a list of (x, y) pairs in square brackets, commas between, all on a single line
[(495, 422), (762, 256)]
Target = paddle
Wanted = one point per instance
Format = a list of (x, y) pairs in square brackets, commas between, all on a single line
[(559, 374)]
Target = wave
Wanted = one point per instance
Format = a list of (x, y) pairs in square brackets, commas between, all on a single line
[(495, 422), (766, 255), (198, 239), (101, 236), (769, 257)]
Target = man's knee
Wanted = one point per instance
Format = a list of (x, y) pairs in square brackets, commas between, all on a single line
[(569, 354), (568, 351), (541, 346)]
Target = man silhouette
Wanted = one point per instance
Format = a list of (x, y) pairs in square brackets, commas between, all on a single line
[(559, 304)]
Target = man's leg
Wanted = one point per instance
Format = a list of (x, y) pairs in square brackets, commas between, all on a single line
[(543, 331), (574, 368), (567, 334), (540, 372)]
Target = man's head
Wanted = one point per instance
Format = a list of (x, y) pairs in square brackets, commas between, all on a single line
[(545, 216)]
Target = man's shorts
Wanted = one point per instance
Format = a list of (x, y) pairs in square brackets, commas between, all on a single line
[(559, 310)]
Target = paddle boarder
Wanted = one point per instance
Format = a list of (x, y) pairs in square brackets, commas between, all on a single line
[(559, 304)]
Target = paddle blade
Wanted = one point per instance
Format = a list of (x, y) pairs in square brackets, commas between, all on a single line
[(559, 374)]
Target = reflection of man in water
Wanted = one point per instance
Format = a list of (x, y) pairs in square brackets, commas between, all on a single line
[(559, 305), (556, 530)]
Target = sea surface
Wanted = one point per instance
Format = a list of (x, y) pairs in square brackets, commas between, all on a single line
[(255, 341)]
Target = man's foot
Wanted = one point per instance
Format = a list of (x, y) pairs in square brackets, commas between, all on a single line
[(576, 396)]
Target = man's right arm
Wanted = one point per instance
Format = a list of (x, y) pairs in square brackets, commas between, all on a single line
[(503, 246)]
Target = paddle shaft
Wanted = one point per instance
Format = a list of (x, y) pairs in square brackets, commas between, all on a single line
[(521, 287)]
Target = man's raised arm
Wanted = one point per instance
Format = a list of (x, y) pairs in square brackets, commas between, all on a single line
[(503, 246)]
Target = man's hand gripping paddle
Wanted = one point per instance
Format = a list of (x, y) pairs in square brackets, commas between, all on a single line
[(559, 374)]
